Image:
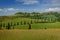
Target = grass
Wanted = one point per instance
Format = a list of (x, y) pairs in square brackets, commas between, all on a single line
[(40, 34), (38, 26), (28, 20), (47, 25)]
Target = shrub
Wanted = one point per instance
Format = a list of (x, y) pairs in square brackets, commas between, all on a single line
[(45, 28)]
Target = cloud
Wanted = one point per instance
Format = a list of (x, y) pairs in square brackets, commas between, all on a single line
[(31, 2), (1, 10), (52, 9), (28, 1), (44, 2), (53, 2), (8, 9)]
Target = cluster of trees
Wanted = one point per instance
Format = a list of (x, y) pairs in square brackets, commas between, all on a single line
[(44, 17)]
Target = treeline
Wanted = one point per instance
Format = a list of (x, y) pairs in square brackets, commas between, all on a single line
[(44, 17), (12, 25)]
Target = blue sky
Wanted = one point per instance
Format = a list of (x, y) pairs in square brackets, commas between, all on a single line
[(8, 7)]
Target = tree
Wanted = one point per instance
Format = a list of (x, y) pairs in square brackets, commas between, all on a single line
[(0, 26), (45, 28), (29, 26), (49, 18), (14, 25), (58, 19), (24, 22), (19, 13), (17, 23), (8, 26)]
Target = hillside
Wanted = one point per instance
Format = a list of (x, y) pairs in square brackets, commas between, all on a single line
[(21, 20)]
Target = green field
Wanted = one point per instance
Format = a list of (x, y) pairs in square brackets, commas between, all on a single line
[(41, 34), (40, 26), (28, 20), (33, 25)]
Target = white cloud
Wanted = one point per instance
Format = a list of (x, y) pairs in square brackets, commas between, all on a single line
[(12, 9), (53, 2), (31, 2), (52, 9), (1, 10), (8, 9), (28, 1), (48, 2)]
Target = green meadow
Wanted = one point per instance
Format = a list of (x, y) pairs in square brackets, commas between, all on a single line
[(26, 26)]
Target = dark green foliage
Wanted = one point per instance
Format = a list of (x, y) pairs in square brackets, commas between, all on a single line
[(24, 22), (14, 24), (29, 26), (17, 23), (8, 26), (58, 18), (0, 26), (45, 28), (19, 13), (28, 23), (48, 18)]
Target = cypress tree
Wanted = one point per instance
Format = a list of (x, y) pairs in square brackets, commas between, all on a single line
[(24, 22), (0, 26), (17, 23), (29, 26), (8, 26)]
